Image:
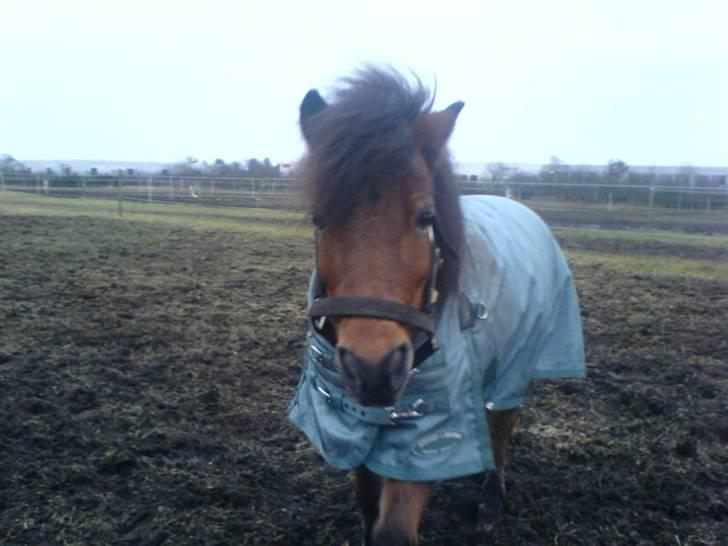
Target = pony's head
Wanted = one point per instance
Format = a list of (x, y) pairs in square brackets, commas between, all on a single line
[(384, 205)]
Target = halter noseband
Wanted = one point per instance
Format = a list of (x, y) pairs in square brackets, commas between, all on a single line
[(360, 306)]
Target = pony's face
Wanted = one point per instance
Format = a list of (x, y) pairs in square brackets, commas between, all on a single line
[(372, 173), (380, 249)]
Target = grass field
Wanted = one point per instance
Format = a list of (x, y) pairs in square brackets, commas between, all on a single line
[(691, 249), (147, 360)]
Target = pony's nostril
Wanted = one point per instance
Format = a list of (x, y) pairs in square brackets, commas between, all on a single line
[(347, 363), (375, 384), (397, 365)]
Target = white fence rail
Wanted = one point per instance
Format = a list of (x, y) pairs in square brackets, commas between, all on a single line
[(600, 203)]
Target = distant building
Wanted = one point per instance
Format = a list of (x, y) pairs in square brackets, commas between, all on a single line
[(286, 169)]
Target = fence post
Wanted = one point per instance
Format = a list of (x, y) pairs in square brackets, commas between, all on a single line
[(707, 204), (149, 189), (120, 194), (651, 205), (610, 203), (83, 186), (2, 181)]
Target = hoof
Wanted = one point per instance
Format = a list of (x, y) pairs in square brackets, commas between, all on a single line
[(489, 516), (493, 505)]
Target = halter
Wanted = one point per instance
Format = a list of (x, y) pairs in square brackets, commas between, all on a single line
[(362, 306)]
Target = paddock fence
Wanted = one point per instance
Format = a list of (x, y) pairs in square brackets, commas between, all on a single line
[(695, 208)]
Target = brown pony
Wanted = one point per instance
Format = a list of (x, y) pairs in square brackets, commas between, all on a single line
[(389, 233)]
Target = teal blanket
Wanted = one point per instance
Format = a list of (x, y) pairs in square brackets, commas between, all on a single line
[(516, 319)]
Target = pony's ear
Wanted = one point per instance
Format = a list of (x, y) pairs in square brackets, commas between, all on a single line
[(433, 130), (311, 105)]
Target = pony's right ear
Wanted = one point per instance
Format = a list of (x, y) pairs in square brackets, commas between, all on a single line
[(311, 105), (434, 129)]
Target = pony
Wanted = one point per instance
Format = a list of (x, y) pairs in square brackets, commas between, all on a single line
[(430, 313)]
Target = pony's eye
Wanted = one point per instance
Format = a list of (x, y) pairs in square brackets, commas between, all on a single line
[(316, 221), (425, 218)]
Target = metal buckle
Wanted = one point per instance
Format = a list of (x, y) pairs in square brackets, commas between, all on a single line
[(320, 357), (431, 234), (411, 413), (325, 394)]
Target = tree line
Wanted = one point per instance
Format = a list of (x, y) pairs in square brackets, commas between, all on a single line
[(616, 172), (556, 171), (252, 168), (8, 164)]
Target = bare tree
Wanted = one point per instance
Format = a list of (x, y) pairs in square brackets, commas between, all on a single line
[(554, 170), (8, 164), (616, 171)]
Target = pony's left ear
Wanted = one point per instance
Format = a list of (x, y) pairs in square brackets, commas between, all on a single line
[(311, 105), (433, 130)]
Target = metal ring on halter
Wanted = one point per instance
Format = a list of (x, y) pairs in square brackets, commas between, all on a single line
[(481, 311)]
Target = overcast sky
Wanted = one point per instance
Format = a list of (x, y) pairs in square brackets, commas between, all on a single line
[(643, 81)]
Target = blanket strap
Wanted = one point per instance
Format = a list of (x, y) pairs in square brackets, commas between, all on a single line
[(372, 414)]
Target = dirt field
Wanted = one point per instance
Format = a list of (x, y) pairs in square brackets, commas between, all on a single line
[(146, 367)]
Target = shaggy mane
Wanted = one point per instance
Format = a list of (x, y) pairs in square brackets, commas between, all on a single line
[(364, 136)]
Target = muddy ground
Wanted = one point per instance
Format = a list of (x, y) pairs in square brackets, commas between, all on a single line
[(696, 221), (145, 372)]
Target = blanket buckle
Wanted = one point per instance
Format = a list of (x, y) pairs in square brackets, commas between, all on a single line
[(327, 396), (397, 416)]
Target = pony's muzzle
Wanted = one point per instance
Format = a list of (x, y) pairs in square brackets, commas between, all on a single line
[(376, 383)]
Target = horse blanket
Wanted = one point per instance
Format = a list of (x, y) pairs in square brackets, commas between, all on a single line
[(515, 319)]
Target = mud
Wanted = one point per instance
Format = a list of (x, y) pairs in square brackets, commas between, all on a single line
[(145, 372), (692, 221)]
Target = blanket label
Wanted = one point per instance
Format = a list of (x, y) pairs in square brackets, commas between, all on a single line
[(438, 443)]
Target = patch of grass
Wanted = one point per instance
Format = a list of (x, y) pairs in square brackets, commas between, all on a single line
[(661, 236), (263, 221), (656, 266)]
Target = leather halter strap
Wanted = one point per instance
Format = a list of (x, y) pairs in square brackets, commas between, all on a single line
[(356, 306)]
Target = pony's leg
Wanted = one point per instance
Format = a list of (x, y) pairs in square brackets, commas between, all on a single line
[(368, 489), (501, 424), (400, 510)]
